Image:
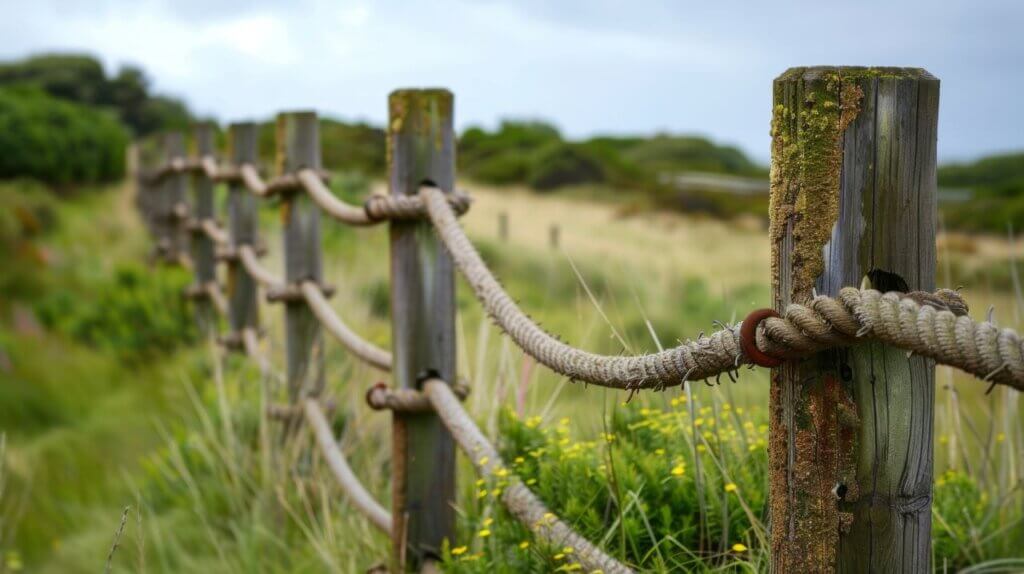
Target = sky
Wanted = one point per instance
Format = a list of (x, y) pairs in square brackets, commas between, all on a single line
[(589, 66)]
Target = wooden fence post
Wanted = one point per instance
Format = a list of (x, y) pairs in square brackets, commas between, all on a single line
[(503, 226), (853, 197), (421, 150), (243, 228), (298, 146), (174, 237), (203, 257)]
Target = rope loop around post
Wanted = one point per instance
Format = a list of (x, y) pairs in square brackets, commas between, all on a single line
[(381, 397)]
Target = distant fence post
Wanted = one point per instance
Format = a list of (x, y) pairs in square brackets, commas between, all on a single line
[(503, 226), (174, 236), (298, 147), (853, 195), (243, 227), (554, 233), (421, 150), (203, 258)]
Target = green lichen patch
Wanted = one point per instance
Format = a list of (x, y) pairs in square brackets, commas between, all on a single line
[(812, 111)]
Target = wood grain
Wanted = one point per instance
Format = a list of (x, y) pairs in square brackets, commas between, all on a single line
[(298, 146), (421, 149), (853, 197)]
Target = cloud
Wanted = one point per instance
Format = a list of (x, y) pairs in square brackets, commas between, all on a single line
[(590, 65)]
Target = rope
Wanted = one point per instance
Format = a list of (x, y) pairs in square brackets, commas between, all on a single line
[(937, 330), (220, 303), (354, 490), (520, 501), (909, 321), (322, 196), (359, 347), (251, 344), (382, 397), (258, 272), (214, 232), (378, 208), (251, 179)]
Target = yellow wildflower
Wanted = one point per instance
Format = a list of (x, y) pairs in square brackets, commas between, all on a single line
[(459, 551), (679, 470), (483, 460), (484, 533), (524, 544), (731, 487), (739, 547)]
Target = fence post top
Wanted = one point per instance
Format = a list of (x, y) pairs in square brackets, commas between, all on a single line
[(174, 143), (856, 73), (243, 142), (203, 135), (298, 141)]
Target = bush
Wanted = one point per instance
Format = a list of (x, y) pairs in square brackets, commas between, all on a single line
[(561, 164), (136, 314), (27, 212), (682, 153), (80, 78), (56, 141)]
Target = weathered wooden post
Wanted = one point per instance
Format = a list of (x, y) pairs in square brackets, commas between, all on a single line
[(421, 151), (503, 226), (853, 198), (243, 225), (554, 232), (203, 257), (173, 207), (298, 147)]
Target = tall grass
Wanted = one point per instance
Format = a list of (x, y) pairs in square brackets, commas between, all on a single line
[(667, 482)]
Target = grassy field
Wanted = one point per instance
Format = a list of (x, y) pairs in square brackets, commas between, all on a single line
[(116, 430)]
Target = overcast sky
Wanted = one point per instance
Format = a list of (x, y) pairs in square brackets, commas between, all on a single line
[(590, 66)]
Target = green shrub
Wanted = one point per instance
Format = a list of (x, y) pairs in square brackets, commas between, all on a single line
[(136, 313), (634, 487), (561, 164), (56, 141), (27, 212), (80, 78), (686, 153)]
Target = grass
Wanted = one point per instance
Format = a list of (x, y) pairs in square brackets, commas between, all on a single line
[(179, 436)]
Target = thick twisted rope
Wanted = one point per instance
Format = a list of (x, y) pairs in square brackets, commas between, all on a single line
[(937, 328), (358, 346), (354, 490), (378, 208), (925, 324), (216, 233), (520, 501), (262, 275)]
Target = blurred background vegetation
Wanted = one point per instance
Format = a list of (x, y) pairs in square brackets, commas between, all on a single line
[(110, 398)]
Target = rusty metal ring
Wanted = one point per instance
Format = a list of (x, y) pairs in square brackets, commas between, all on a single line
[(748, 339)]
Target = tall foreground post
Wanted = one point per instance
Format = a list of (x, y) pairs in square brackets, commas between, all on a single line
[(421, 150), (298, 147), (243, 225), (205, 271), (853, 199)]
